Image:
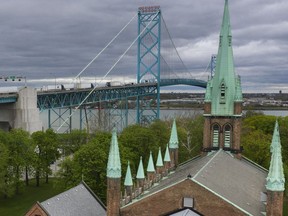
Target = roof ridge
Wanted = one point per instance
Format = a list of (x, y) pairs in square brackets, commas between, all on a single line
[(206, 164), (93, 194), (254, 163)]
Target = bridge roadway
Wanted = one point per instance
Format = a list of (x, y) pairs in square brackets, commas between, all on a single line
[(72, 98)]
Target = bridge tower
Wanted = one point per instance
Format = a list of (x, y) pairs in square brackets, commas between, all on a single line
[(148, 68)]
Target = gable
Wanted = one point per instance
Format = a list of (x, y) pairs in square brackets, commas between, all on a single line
[(184, 212), (37, 210), (170, 199), (237, 182), (79, 200)]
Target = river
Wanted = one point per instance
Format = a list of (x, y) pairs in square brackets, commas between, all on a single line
[(164, 114)]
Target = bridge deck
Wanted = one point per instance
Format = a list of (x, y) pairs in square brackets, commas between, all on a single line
[(8, 98), (73, 98)]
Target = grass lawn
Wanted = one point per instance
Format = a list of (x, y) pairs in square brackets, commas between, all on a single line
[(20, 204)]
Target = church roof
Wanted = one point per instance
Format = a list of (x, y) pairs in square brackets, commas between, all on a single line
[(79, 200), (239, 182)]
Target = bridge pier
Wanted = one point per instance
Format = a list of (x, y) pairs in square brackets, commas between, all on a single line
[(22, 114)]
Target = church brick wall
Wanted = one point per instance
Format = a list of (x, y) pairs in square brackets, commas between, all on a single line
[(113, 196), (274, 203), (171, 199), (207, 107), (236, 124), (207, 133), (238, 108)]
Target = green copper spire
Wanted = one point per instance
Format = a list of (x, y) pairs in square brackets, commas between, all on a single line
[(167, 155), (208, 91), (128, 178), (276, 138), (275, 179), (173, 143), (150, 167), (140, 171), (238, 93), (114, 164), (223, 84), (159, 159)]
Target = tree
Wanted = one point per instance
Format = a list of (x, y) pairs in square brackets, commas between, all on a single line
[(264, 123), (72, 141), (88, 163), (138, 141), (3, 169), (190, 133), (256, 146), (19, 149), (46, 152)]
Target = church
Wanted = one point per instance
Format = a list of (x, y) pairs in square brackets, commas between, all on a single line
[(220, 181)]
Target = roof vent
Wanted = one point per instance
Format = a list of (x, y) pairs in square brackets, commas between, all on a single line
[(188, 202), (263, 197)]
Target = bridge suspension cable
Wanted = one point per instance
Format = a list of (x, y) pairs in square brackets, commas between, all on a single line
[(103, 49), (173, 44), (119, 59)]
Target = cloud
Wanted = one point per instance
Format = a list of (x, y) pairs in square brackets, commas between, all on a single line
[(47, 39)]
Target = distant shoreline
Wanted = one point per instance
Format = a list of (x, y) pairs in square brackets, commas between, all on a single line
[(198, 107)]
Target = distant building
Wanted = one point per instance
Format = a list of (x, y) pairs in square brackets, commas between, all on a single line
[(79, 200)]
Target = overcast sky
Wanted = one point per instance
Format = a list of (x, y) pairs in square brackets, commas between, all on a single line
[(54, 40)]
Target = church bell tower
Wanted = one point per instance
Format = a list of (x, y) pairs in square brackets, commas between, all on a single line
[(223, 98)]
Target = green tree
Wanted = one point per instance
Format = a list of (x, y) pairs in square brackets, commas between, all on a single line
[(136, 141), (190, 133), (161, 130), (46, 152), (264, 123), (3, 169), (256, 146), (71, 142), (88, 163), (18, 147)]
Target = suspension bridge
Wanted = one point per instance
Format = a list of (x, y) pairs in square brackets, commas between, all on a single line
[(158, 64)]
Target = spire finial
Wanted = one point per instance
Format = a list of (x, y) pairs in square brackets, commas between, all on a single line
[(159, 159), (150, 167), (128, 178), (173, 143), (140, 171), (114, 163), (167, 155), (275, 179)]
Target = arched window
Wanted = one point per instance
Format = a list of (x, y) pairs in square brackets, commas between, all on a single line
[(215, 141), (228, 136)]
